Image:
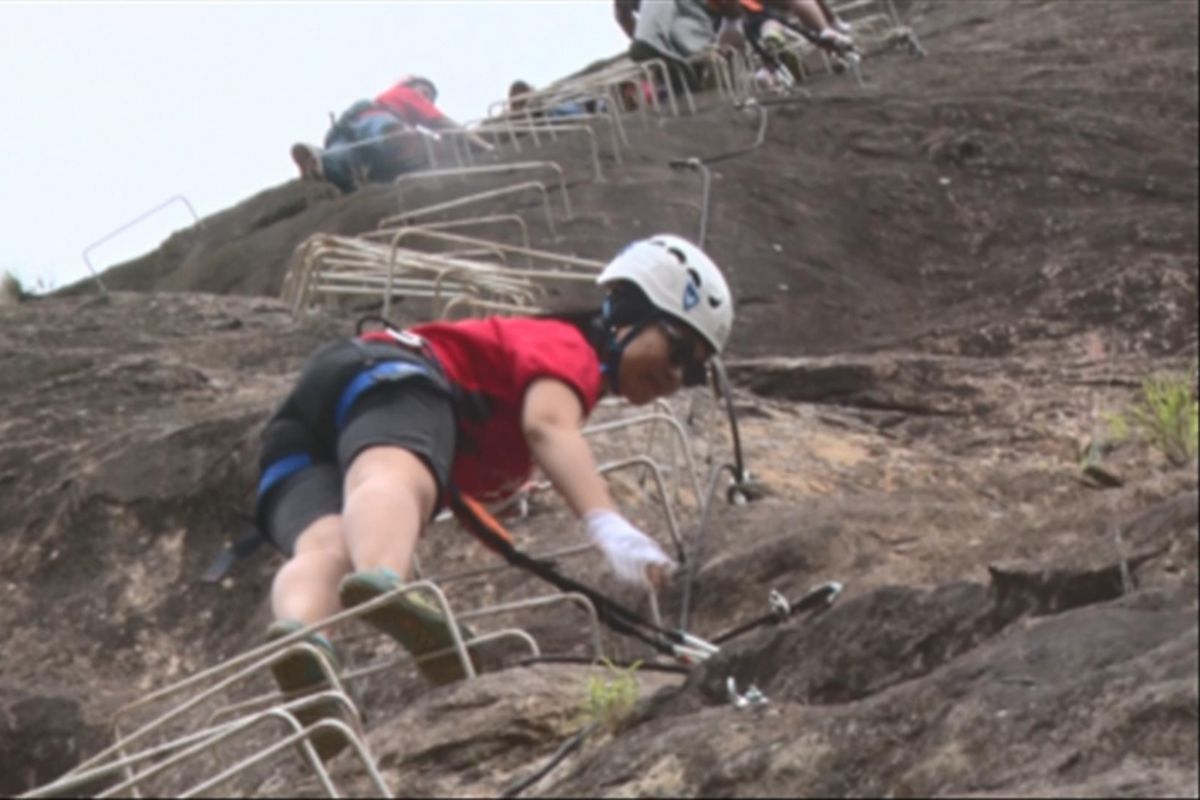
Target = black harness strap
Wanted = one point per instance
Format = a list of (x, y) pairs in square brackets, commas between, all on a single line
[(484, 527)]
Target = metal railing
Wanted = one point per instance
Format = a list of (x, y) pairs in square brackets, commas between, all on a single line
[(471, 199), (533, 125), (193, 692), (330, 265), (493, 168), (349, 266), (608, 83), (178, 198), (565, 125)]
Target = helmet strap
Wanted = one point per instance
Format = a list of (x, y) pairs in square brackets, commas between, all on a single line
[(610, 366)]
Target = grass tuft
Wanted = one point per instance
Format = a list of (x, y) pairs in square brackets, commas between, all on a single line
[(608, 701), (1165, 415)]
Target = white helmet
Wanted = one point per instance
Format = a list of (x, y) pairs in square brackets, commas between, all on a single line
[(679, 279)]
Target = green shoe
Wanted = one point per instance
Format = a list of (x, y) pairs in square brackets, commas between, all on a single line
[(298, 674), (411, 620)]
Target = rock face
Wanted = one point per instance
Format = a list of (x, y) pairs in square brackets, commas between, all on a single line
[(41, 736), (1098, 699), (948, 282)]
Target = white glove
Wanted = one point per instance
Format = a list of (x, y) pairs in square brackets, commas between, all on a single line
[(628, 550), (732, 33)]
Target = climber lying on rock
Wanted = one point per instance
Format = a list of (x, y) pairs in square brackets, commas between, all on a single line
[(378, 140)]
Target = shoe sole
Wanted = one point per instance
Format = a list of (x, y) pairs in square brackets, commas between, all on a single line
[(295, 675), (308, 162), (417, 629)]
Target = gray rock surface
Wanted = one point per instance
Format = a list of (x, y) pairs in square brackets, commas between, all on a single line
[(948, 282)]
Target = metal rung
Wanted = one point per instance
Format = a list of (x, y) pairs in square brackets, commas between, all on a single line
[(469, 222), (477, 197), (562, 127), (652, 419), (362, 257), (507, 167)]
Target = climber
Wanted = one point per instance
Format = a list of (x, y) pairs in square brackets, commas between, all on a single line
[(820, 24), (520, 93), (677, 31), (383, 430), (378, 139)]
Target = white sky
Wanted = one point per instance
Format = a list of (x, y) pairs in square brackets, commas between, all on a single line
[(108, 110)]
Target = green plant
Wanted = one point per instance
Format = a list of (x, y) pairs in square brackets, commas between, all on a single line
[(1165, 414), (608, 701)]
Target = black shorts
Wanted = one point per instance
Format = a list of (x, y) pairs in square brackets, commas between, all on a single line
[(410, 414)]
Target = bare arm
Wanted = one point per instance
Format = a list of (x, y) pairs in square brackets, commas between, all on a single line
[(551, 419)]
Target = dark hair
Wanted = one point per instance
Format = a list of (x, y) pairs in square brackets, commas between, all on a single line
[(627, 305), (589, 322)]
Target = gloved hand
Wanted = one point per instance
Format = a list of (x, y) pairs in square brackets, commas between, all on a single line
[(732, 33), (634, 556)]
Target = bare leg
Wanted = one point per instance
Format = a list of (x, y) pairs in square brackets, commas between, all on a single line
[(810, 13), (826, 11), (305, 588), (814, 16), (390, 495)]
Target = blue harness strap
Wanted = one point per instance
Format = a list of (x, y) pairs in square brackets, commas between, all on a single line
[(278, 470), (369, 378), (282, 468), (365, 380)]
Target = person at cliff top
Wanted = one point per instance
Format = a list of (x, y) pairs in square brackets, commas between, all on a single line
[(379, 139), (820, 24), (829, 31), (519, 93), (677, 31), (380, 429)]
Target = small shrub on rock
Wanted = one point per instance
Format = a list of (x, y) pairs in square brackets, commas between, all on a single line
[(608, 701), (1165, 415)]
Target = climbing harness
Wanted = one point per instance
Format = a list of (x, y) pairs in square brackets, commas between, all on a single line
[(488, 530), (814, 600)]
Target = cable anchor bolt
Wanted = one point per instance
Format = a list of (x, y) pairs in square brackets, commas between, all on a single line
[(751, 699)]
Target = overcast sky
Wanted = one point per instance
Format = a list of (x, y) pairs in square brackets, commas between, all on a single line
[(107, 110)]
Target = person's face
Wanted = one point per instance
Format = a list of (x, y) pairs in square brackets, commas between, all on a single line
[(664, 356)]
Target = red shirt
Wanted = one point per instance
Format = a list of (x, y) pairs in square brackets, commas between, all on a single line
[(409, 105), (498, 358)]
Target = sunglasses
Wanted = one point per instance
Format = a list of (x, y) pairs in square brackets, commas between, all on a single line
[(681, 353)]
